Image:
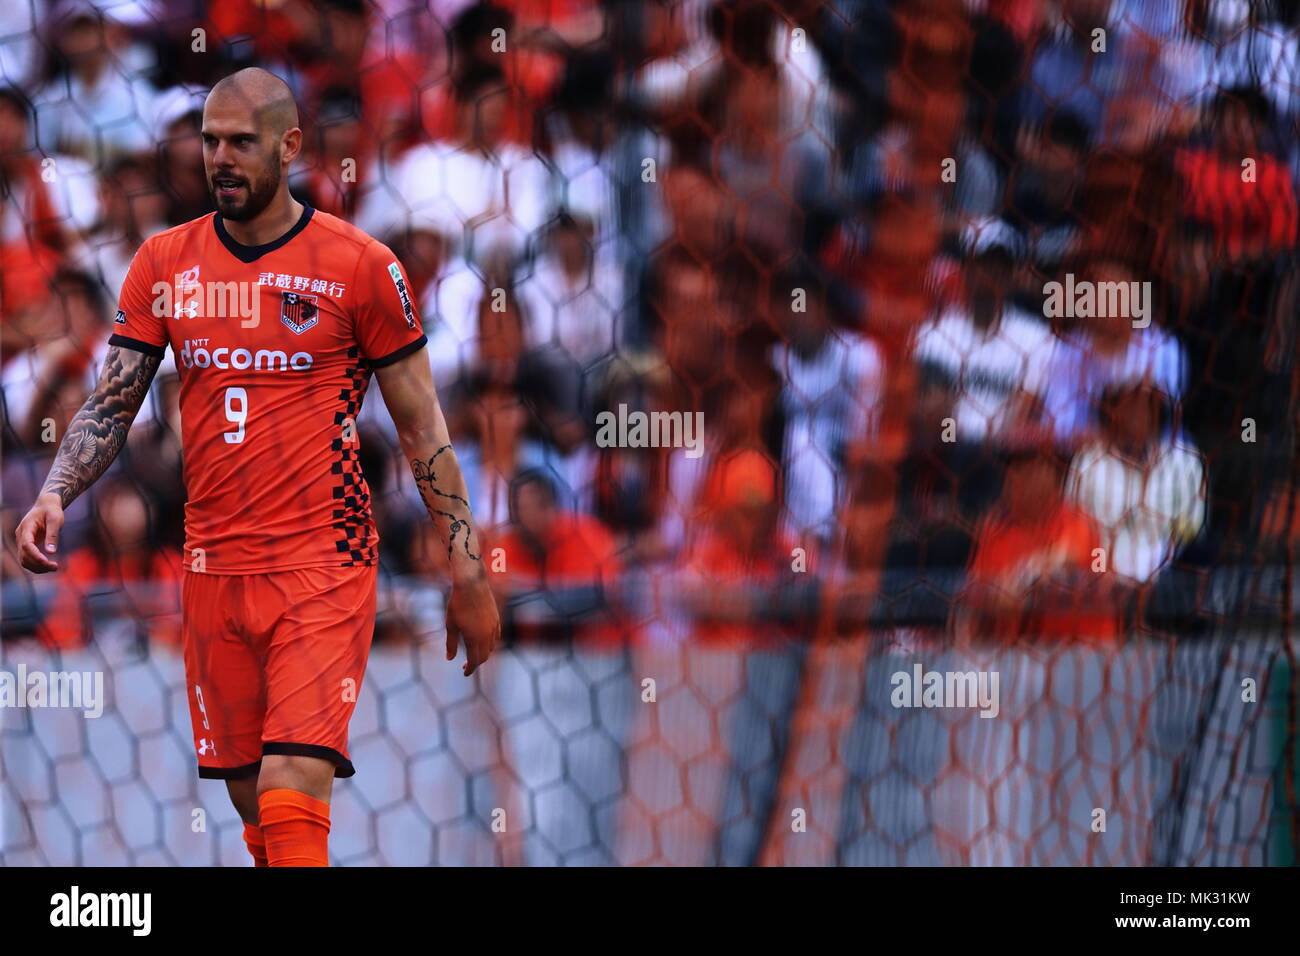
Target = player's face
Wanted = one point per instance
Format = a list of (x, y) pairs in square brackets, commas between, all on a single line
[(242, 162)]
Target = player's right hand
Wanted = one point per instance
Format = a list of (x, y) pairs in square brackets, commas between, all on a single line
[(38, 534)]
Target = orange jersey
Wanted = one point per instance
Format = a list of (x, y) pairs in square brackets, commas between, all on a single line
[(1002, 548), (275, 345), (716, 562)]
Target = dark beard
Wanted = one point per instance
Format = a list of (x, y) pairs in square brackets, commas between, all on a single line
[(259, 197)]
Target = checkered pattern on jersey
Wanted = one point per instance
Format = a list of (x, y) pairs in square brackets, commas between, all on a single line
[(357, 538)]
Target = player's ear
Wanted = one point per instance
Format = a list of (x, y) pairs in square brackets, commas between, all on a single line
[(290, 145)]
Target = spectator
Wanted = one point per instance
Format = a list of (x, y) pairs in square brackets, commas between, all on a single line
[(508, 417), (1141, 482), (773, 172), (182, 175), (48, 381), (574, 301), (451, 304), (700, 211), (738, 37), (990, 355), (343, 159), (560, 571), (853, 579), (49, 203), (1231, 45), (489, 194), (133, 209), (586, 156), (1107, 350), (1033, 575), (478, 39), (1088, 61), (1239, 184), (558, 577), (121, 583), (737, 560), (92, 106), (1132, 188), (831, 387), (348, 53), (1048, 184)]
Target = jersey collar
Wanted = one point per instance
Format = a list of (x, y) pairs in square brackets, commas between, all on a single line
[(252, 253)]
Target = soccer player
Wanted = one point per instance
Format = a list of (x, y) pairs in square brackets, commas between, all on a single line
[(278, 315)]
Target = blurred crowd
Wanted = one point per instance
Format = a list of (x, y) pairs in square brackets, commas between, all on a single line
[(824, 224)]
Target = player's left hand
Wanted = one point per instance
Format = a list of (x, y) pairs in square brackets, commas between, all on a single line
[(472, 617)]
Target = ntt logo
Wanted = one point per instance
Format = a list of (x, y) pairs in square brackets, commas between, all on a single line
[(196, 354)]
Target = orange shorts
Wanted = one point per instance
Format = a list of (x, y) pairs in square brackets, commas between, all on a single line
[(274, 664)]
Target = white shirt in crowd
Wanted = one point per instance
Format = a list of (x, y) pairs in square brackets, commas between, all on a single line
[(1237, 54), (112, 118), (580, 316), (1145, 511), (1079, 374), (21, 376), (480, 202), (72, 191), (583, 182), (807, 97), (449, 311), (987, 367), (830, 398)]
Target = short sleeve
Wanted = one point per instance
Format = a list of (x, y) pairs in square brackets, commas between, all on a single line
[(136, 325), (386, 321)]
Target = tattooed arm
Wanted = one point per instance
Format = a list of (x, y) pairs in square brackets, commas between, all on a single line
[(94, 437), (407, 386)]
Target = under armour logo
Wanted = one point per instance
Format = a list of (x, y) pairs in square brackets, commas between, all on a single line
[(207, 746)]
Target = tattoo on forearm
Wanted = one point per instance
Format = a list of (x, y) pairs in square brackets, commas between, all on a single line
[(435, 499), (98, 431)]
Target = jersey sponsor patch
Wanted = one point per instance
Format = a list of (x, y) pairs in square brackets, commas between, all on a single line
[(120, 318), (299, 312), (395, 271)]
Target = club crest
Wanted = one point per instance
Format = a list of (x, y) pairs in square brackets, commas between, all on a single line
[(299, 312)]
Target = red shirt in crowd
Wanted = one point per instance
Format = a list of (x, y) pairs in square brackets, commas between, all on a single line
[(714, 559), (1065, 541), (1247, 216), (149, 589), (578, 552)]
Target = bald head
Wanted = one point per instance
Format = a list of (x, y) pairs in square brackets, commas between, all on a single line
[(266, 98), (250, 138)]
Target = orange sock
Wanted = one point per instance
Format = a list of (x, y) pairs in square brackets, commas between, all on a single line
[(296, 828), (256, 844)]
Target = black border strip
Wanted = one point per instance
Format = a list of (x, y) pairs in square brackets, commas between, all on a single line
[(252, 253), (409, 348), (342, 765), (229, 773), (148, 348)]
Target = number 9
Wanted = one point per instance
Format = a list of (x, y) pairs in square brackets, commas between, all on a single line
[(237, 415)]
